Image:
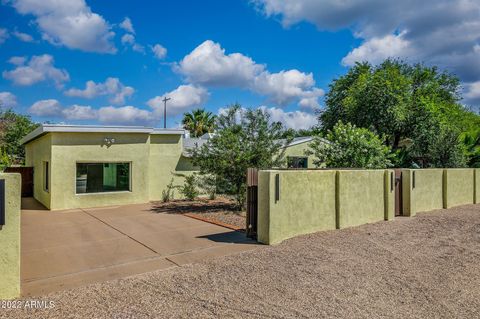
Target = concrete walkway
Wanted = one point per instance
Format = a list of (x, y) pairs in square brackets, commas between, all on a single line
[(66, 249)]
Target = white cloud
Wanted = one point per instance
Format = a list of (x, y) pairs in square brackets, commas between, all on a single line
[(23, 36), (159, 51), (7, 99), (17, 60), (79, 112), (128, 39), (286, 86), (295, 119), (3, 35), (39, 68), (376, 50), (69, 23), (127, 25), (112, 87), (208, 65), (45, 108), (183, 98), (126, 115)]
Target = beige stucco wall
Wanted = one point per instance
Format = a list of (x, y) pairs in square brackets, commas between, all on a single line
[(166, 162), (362, 197), (10, 239), (458, 187), (70, 148), (426, 194), (36, 154), (299, 150), (306, 204), (315, 200), (477, 185)]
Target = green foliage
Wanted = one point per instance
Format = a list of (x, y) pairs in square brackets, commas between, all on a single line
[(189, 187), (403, 102), (5, 160), (13, 127), (292, 133), (168, 193), (199, 122), (347, 146), (208, 183), (244, 138), (471, 141)]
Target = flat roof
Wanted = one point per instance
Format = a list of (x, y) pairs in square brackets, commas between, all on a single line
[(62, 128)]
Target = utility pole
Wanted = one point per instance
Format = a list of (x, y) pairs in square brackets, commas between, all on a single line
[(165, 99)]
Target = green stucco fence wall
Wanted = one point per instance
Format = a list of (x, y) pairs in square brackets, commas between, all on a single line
[(430, 189), (310, 201), (10, 239)]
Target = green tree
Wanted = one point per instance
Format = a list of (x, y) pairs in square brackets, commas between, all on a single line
[(13, 127), (199, 122), (244, 138), (402, 102), (347, 146), (471, 140)]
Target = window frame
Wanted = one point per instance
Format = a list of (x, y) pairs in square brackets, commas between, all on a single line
[(298, 157), (46, 176), (130, 175)]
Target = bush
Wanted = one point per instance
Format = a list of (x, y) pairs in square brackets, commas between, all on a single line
[(347, 146), (167, 194), (208, 184), (189, 188)]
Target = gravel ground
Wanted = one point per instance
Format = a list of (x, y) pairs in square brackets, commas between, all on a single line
[(422, 267), (221, 209)]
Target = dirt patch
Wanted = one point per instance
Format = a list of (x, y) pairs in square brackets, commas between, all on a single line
[(221, 210), (421, 267)]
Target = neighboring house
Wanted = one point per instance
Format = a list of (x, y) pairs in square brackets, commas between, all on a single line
[(78, 166), (294, 151)]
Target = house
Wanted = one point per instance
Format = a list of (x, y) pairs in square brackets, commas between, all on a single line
[(80, 166)]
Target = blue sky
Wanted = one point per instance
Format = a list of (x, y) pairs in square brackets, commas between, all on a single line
[(279, 55)]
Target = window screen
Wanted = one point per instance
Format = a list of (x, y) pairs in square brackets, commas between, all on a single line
[(297, 162)]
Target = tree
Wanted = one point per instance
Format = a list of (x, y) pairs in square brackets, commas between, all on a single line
[(471, 140), (244, 138), (199, 122), (402, 102), (347, 146), (13, 127)]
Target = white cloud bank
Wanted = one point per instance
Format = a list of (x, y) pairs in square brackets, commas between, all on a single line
[(209, 65), (439, 32), (112, 87), (39, 68), (69, 23), (7, 100), (124, 115)]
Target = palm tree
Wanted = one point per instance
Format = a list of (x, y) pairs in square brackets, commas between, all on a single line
[(199, 122), (471, 140)]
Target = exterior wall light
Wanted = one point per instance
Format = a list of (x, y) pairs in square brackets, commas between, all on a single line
[(108, 141)]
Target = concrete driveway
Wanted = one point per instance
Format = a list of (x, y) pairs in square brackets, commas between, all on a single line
[(65, 249)]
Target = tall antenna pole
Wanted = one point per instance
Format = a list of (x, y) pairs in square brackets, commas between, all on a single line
[(165, 99)]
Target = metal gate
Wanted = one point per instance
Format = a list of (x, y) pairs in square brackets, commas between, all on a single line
[(398, 193), (27, 178), (252, 200)]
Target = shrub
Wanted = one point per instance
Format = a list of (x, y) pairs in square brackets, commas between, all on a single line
[(167, 194), (189, 188)]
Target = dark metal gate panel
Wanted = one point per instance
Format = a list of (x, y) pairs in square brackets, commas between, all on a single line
[(252, 201), (27, 178), (398, 193)]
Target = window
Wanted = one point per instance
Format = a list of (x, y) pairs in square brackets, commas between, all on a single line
[(46, 177), (297, 162), (102, 177)]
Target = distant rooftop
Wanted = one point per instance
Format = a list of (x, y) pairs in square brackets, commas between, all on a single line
[(47, 128)]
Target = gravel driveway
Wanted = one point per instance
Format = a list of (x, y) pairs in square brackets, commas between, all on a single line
[(422, 267)]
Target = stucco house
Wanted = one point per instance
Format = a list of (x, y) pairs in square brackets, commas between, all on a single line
[(87, 166), (80, 166)]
